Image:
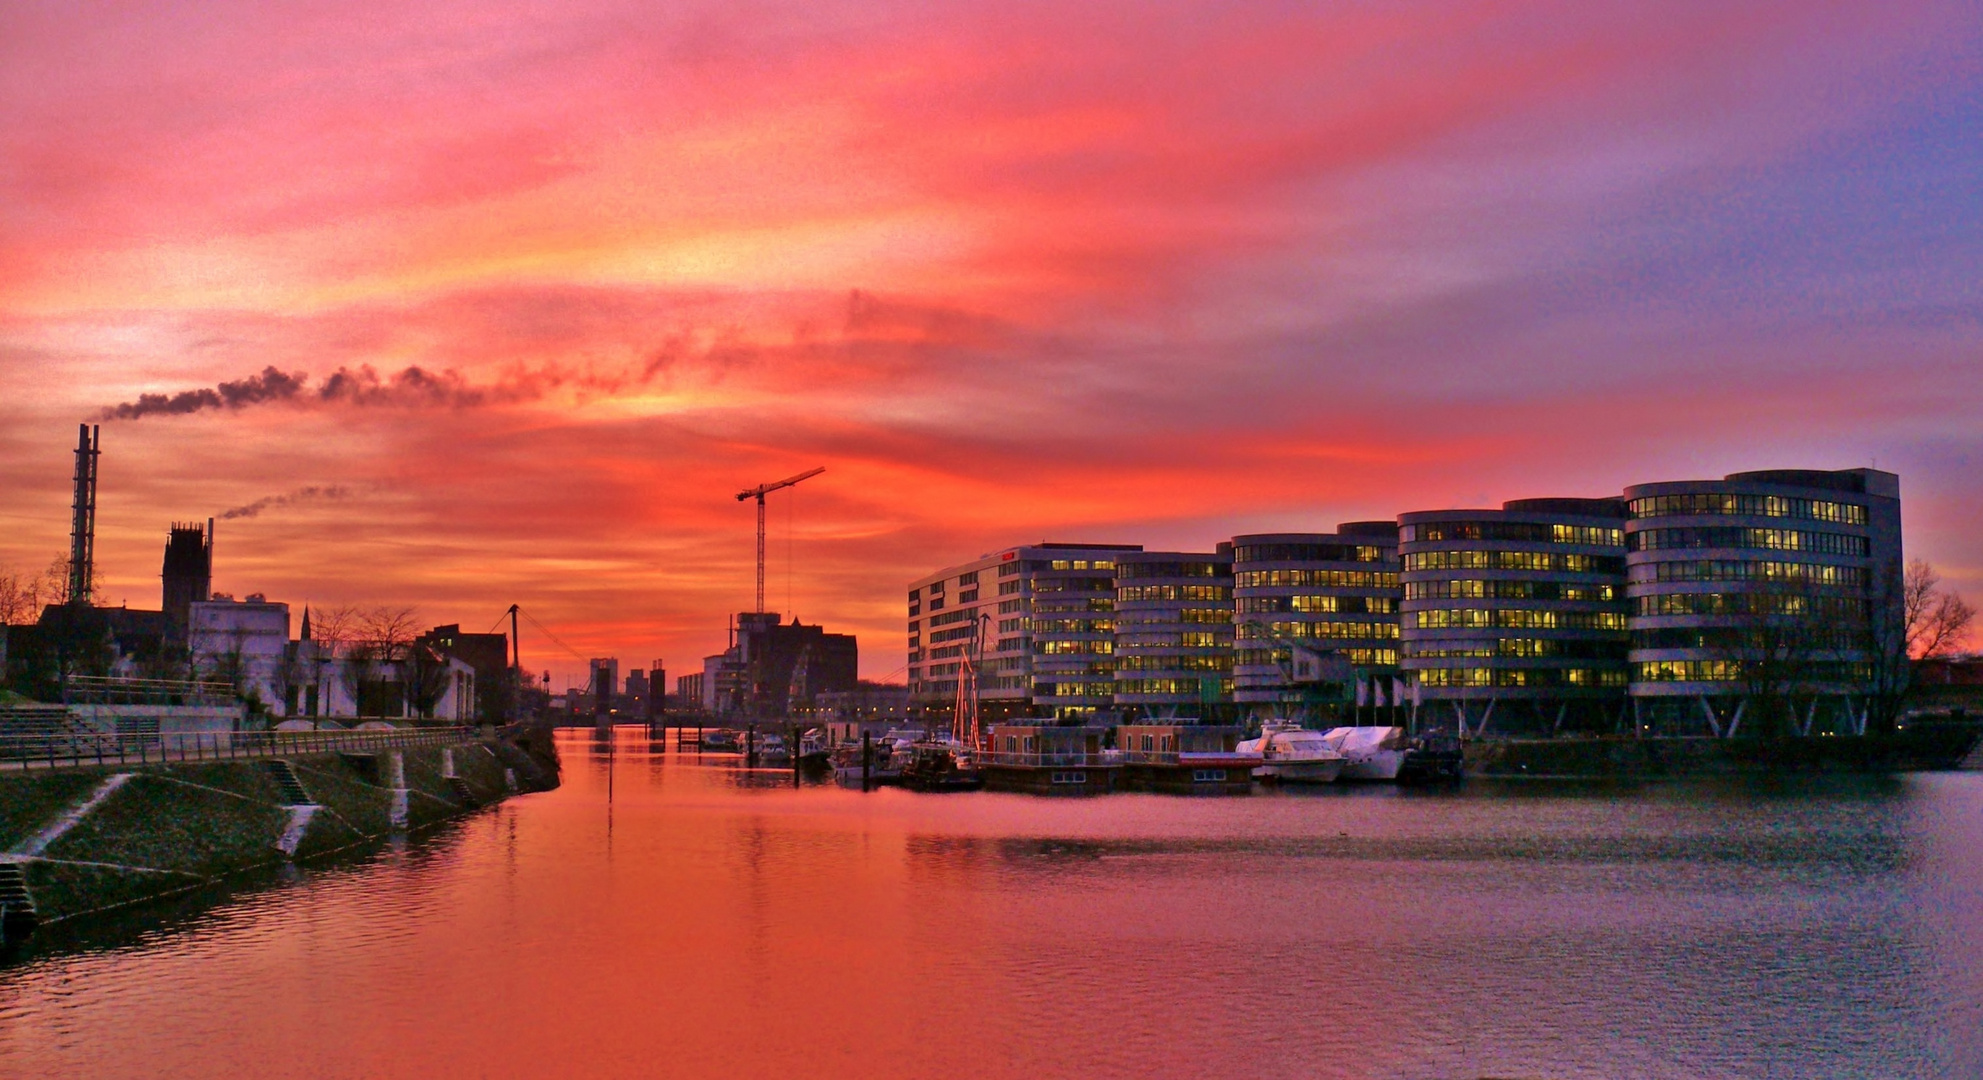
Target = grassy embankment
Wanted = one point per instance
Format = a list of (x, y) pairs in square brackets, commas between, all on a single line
[(177, 826)]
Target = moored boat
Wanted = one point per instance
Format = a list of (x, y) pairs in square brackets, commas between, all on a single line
[(883, 767), (1432, 761), (1369, 752), (940, 767), (1292, 754)]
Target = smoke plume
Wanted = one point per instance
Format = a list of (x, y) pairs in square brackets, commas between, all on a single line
[(266, 502), (363, 387), (271, 385)]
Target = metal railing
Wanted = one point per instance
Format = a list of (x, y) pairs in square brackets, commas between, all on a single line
[(79, 748), (1078, 759), (99, 690)]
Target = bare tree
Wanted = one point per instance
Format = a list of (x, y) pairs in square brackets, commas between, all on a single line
[(427, 678), (23, 594), (334, 628), (1787, 640), (1911, 617), (388, 631), (223, 662), (1938, 619), (19, 598), (376, 658)]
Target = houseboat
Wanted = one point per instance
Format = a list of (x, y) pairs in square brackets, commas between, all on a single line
[(1183, 758), (1043, 758)]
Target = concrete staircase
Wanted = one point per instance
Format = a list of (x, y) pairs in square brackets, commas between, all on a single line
[(18, 916), (292, 788), (50, 722), (462, 791)]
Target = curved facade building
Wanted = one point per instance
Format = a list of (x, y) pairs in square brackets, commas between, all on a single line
[(1514, 620), (1330, 592), (1173, 634), (1759, 585)]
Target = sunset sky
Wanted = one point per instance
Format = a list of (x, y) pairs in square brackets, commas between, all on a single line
[(503, 302)]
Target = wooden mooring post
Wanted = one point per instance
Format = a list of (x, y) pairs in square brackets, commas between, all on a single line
[(867, 760), (793, 745)]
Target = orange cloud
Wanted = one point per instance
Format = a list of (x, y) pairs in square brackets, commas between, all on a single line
[(542, 288)]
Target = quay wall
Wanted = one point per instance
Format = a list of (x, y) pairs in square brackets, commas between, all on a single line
[(1922, 747), (169, 828)]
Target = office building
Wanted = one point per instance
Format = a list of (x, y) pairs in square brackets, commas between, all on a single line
[(1322, 595), (1034, 625), (1771, 584), (1173, 638), (1513, 620)]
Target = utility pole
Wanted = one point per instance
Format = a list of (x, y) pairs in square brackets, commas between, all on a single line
[(758, 493)]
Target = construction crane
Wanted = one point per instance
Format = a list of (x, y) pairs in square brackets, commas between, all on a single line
[(758, 493)]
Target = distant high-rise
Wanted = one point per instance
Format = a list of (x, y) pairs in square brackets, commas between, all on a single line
[(188, 570), (605, 682)]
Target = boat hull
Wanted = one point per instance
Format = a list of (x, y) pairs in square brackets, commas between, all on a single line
[(1301, 772), (851, 777), (1189, 778), (1379, 767), (1051, 779)]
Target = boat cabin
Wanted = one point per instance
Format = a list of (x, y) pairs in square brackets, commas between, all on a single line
[(1048, 759), (1185, 759)]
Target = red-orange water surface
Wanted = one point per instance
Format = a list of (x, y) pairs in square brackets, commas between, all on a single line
[(714, 923)]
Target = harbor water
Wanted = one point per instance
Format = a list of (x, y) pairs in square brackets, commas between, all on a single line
[(710, 921)]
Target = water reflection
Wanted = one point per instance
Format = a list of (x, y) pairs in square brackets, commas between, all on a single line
[(713, 921)]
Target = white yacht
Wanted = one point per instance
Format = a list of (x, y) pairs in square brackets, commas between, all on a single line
[(1293, 754), (1369, 752)]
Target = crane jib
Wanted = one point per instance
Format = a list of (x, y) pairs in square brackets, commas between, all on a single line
[(758, 493)]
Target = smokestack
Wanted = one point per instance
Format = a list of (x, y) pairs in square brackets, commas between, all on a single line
[(82, 526)]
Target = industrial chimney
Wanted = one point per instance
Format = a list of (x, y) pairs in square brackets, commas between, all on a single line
[(82, 527)]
